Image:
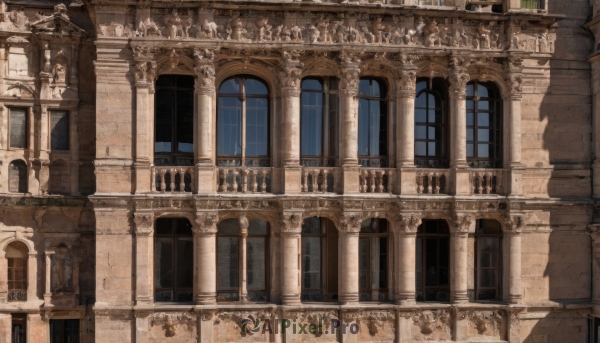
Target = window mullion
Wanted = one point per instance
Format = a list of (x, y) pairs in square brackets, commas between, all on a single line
[(325, 118), (243, 128)]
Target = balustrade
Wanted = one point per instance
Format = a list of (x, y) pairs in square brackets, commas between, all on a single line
[(433, 181), (172, 179), (320, 180), (244, 180), (375, 180), (486, 181)]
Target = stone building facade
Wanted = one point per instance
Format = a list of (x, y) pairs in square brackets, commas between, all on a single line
[(410, 170)]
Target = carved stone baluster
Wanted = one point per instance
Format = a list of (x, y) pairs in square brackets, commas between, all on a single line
[(304, 181), (324, 185), (380, 175), (335, 178), (429, 183), (182, 180), (438, 179), (488, 183), (498, 189), (172, 176), (263, 184), (474, 182), (163, 184), (419, 183), (244, 179), (371, 181), (479, 183), (223, 185), (390, 182), (362, 182), (254, 184), (234, 183), (315, 181), (153, 183)]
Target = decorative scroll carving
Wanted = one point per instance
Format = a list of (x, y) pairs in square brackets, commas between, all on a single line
[(460, 76), (409, 223), (407, 84), (291, 73), (143, 223), (350, 222), (514, 223), (514, 76), (463, 223), (291, 223), (206, 222), (350, 73)]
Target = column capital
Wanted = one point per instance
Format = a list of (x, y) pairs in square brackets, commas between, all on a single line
[(350, 223), (291, 223), (463, 224), (204, 69), (244, 225), (513, 75), (514, 223), (458, 81), (408, 223), (349, 73), (291, 74), (205, 223), (407, 83), (143, 223)]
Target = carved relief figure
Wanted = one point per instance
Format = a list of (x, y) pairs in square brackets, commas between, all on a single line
[(432, 34), (322, 25), (483, 40), (19, 19), (313, 34), (235, 29), (262, 30), (59, 68), (148, 28), (377, 30), (296, 33), (174, 26), (208, 29), (62, 270)]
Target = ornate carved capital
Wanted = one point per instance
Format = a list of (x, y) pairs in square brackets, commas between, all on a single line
[(244, 224), (290, 75), (514, 223), (463, 223), (350, 73), (350, 222), (407, 84), (205, 222), (513, 74), (291, 223), (204, 69), (409, 223), (458, 82), (143, 223)]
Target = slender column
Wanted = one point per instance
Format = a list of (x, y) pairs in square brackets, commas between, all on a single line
[(290, 81), (291, 227), (145, 72), (205, 97), (48, 288), (514, 228), (32, 277), (74, 153), (205, 258), (349, 258), (243, 266), (405, 117), (349, 112), (458, 96), (406, 237), (3, 278), (514, 78), (143, 258), (459, 255)]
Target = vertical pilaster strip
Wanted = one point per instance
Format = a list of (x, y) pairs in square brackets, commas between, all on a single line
[(74, 143), (595, 62), (48, 283), (291, 228), (458, 125), (513, 226), (3, 278), (290, 76), (406, 241), (459, 255), (243, 263), (350, 224), (143, 254), (32, 276), (205, 258), (405, 130), (349, 78), (514, 78)]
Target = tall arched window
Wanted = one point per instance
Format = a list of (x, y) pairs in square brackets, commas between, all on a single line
[(484, 125), (373, 259), (488, 260), (174, 120), (433, 261), (372, 123), (318, 127), (173, 260), (431, 149), (16, 256), (319, 260), (243, 122)]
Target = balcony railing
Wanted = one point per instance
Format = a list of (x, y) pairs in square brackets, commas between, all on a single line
[(486, 181), (376, 180), (320, 180), (433, 181), (175, 179), (244, 180)]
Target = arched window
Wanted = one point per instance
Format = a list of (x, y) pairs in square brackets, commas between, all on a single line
[(243, 122), (373, 259), (431, 149), (488, 260), (372, 123), (173, 260), (17, 177), (319, 260), (16, 256), (229, 257), (318, 127), (433, 261), (174, 120), (484, 125)]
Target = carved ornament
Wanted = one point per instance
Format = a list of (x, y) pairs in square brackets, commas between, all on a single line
[(206, 222), (409, 223), (350, 222), (143, 223)]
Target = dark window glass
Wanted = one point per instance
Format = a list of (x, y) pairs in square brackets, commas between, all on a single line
[(173, 260), (318, 127), (488, 260), (18, 328), (17, 177), (174, 119), (64, 331), (372, 123), (319, 260), (59, 137), (18, 128), (430, 124), (433, 261), (243, 111), (373, 260), (484, 125)]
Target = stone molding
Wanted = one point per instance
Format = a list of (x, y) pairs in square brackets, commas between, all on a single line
[(205, 223), (143, 223), (409, 223), (291, 223), (350, 222)]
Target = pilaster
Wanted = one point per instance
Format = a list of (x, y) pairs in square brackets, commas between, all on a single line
[(205, 258), (458, 125), (348, 284), (405, 130), (459, 254), (513, 228), (291, 228), (405, 275), (290, 76), (144, 222), (514, 78)]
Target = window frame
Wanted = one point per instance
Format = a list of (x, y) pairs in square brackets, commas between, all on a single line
[(174, 157), (499, 267), (439, 235), (68, 115), (443, 160), (63, 331), (26, 124), (255, 161), (379, 161), (369, 236), (24, 181), (328, 234), (496, 126)]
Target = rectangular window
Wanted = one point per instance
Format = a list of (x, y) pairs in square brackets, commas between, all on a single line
[(17, 279), (59, 137), (64, 331), (18, 128), (532, 4)]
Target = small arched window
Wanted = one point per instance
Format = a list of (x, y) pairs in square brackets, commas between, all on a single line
[(488, 260), (243, 122), (433, 261), (174, 120), (173, 260), (319, 260), (17, 177), (431, 124), (318, 123), (16, 256), (373, 260), (484, 125), (372, 123)]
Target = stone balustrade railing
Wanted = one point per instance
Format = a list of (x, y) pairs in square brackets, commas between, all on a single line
[(376, 180), (172, 179), (486, 181), (244, 180), (433, 181), (320, 180)]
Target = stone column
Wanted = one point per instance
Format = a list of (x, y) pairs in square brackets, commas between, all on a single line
[(243, 265), (74, 153), (142, 325), (3, 278), (290, 81), (405, 132), (291, 228), (459, 255), (349, 253), (458, 125), (48, 288), (406, 242), (145, 71), (143, 258), (513, 226), (205, 258), (350, 72), (32, 277), (204, 121), (514, 78)]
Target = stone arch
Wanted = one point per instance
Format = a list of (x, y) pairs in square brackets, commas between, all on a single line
[(261, 70), (383, 70), (174, 215), (17, 176), (174, 63), (7, 241), (435, 69), (493, 73), (60, 180), (16, 268), (329, 215), (319, 66)]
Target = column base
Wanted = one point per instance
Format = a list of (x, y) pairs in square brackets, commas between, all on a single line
[(206, 299), (348, 299), (405, 299), (350, 179), (515, 299), (407, 180), (292, 179), (290, 299), (460, 298), (143, 301), (206, 179)]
